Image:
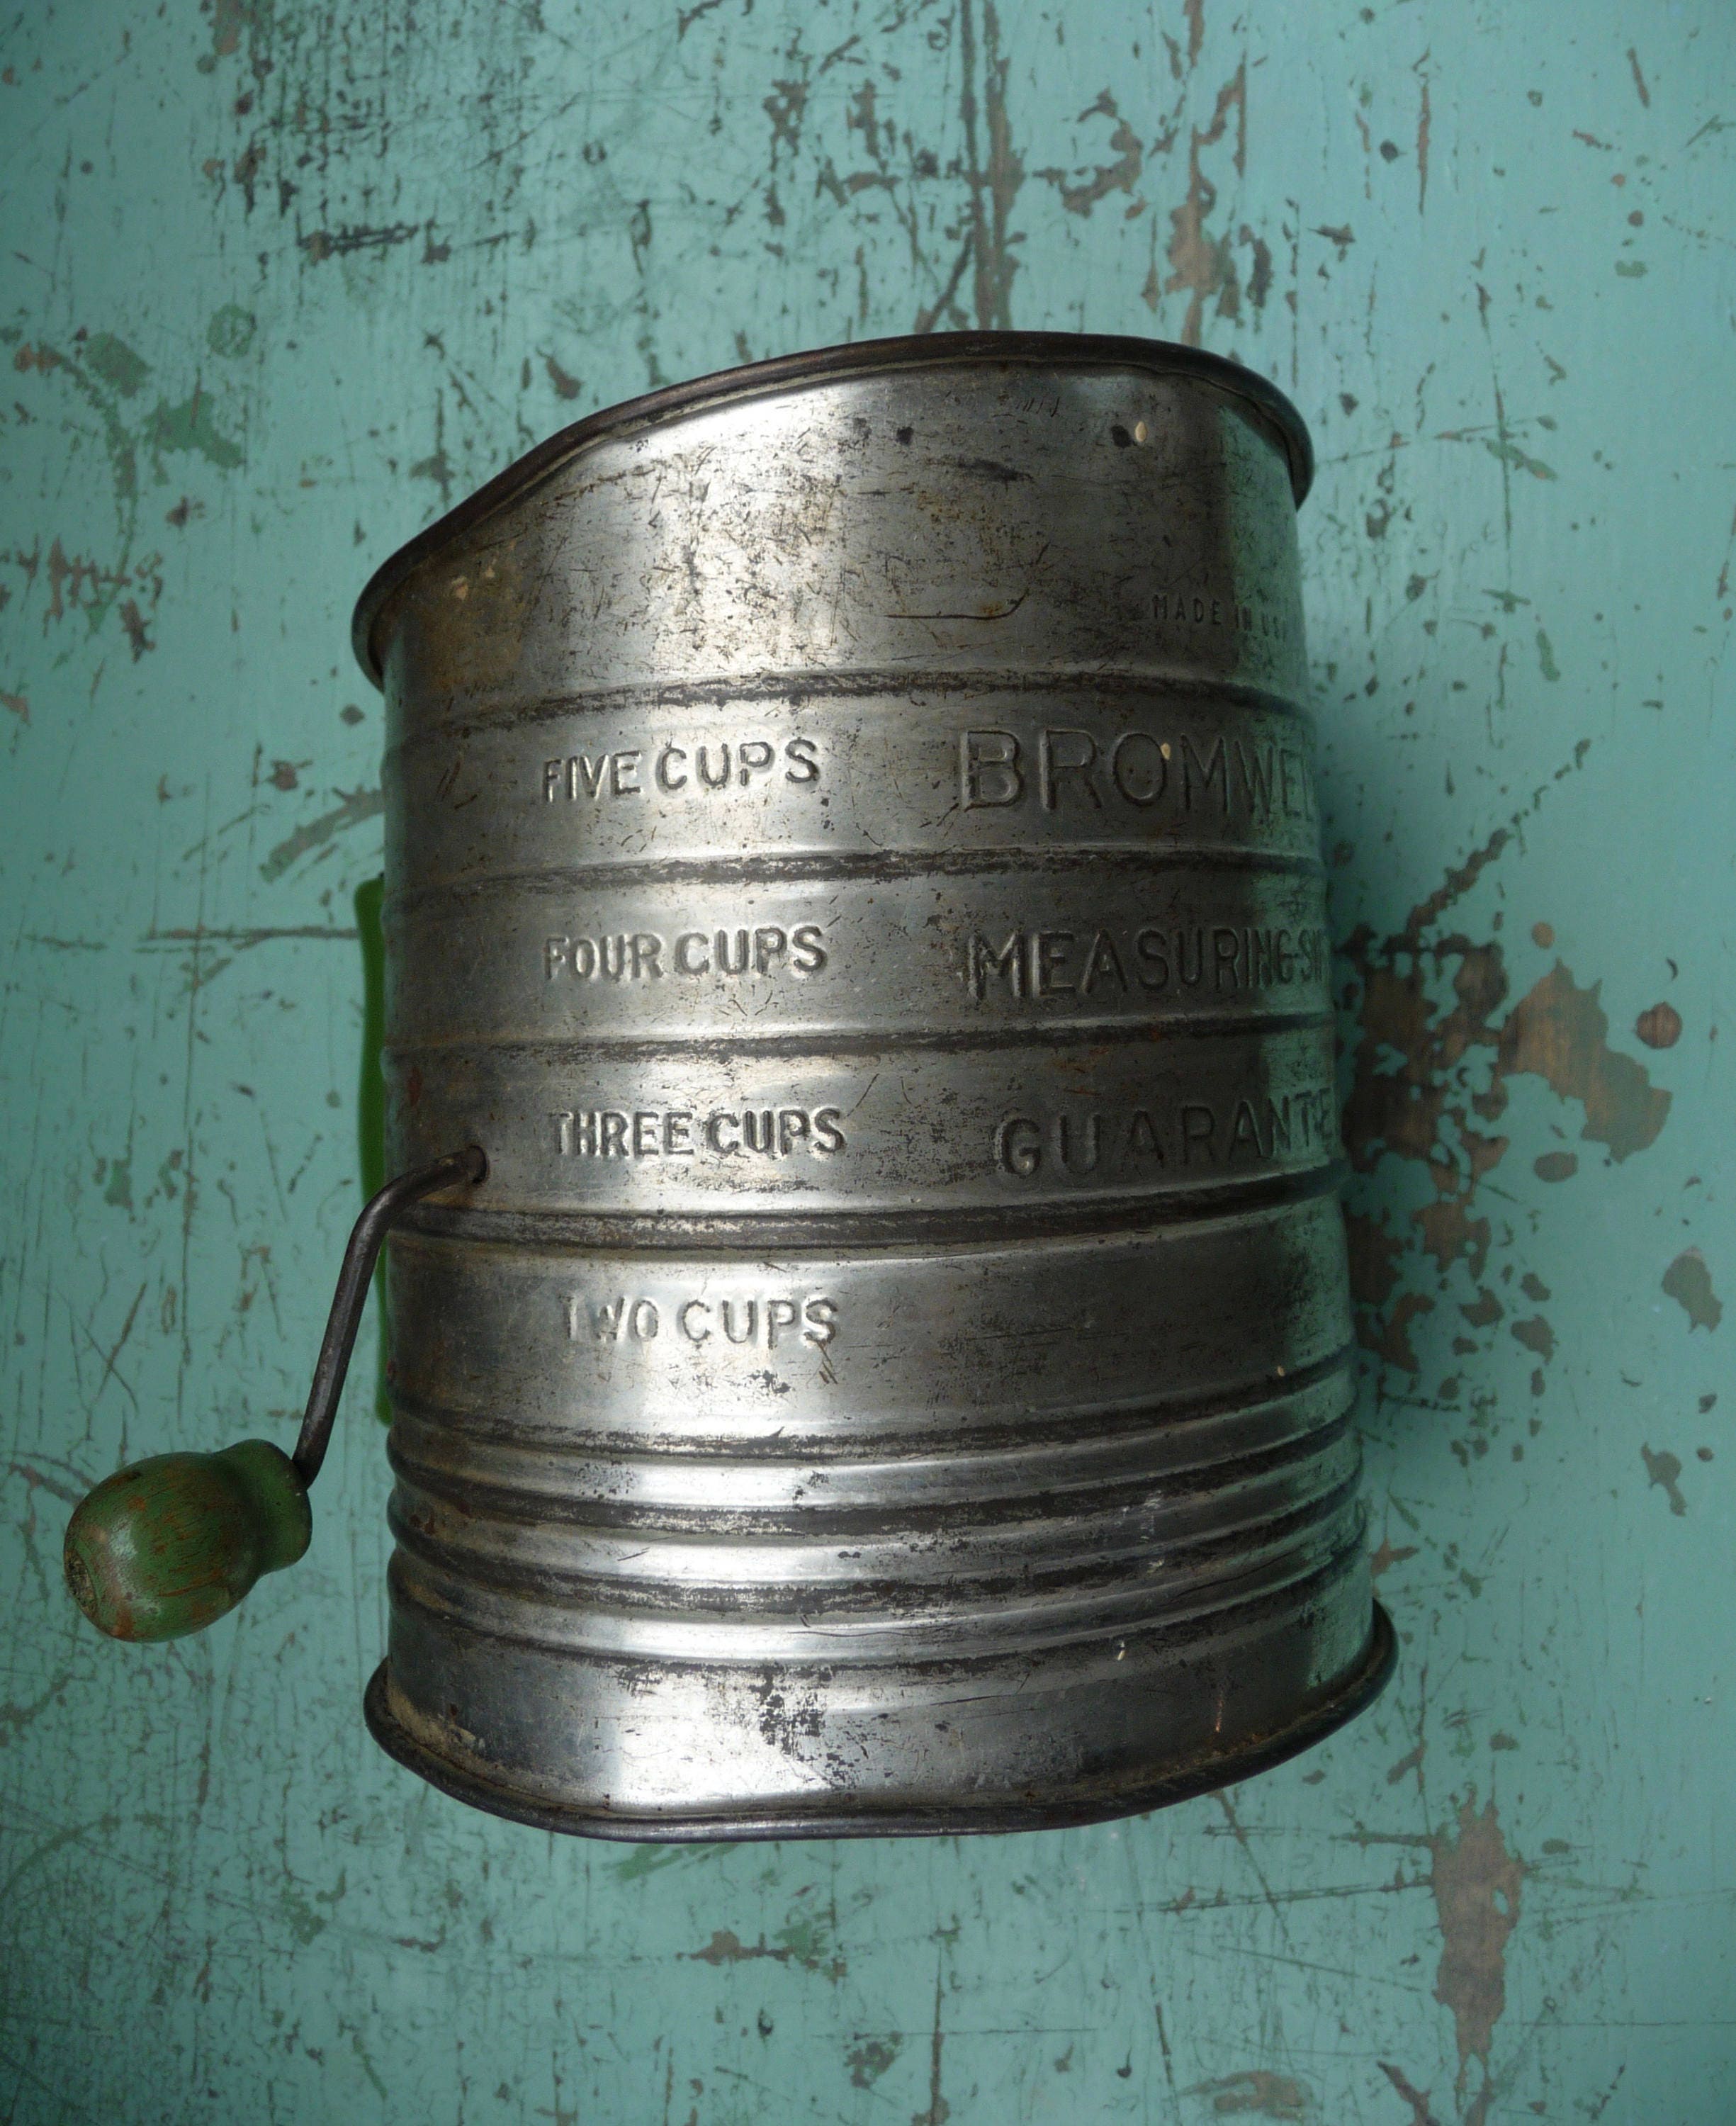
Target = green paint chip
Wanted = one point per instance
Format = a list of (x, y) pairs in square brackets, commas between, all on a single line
[(190, 426), (230, 332), (115, 363)]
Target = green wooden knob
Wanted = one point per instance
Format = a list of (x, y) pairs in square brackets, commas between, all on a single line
[(167, 1546)]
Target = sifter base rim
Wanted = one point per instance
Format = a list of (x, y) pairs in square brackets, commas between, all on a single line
[(1135, 1794)]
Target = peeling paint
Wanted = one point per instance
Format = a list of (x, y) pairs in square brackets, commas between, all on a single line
[(1418, 2099), (357, 806), (1476, 1884), (1558, 1032), (1662, 1469), (1433, 1067), (191, 426), (1258, 2093), (1689, 1283), (1203, 267), (870, 2057)]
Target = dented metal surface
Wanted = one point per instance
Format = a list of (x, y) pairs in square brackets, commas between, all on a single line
[(853, 861)]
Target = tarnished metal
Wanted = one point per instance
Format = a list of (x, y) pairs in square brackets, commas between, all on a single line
[(853, 864)]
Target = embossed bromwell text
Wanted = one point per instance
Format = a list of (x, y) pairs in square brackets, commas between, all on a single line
[(1065, 771)]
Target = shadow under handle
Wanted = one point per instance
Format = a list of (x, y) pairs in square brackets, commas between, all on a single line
[(166, 1546)]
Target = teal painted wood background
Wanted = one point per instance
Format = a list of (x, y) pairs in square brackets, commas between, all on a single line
[(283, 278)]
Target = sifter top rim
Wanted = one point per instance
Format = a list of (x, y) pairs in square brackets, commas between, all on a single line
[(1079, 350)]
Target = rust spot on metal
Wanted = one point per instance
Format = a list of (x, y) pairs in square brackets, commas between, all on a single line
[(1659, 1027)]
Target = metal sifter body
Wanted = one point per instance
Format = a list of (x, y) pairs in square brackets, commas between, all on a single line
[(853, 870), (853, 862)]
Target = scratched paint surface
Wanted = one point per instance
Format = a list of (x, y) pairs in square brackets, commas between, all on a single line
[(283, 278)]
